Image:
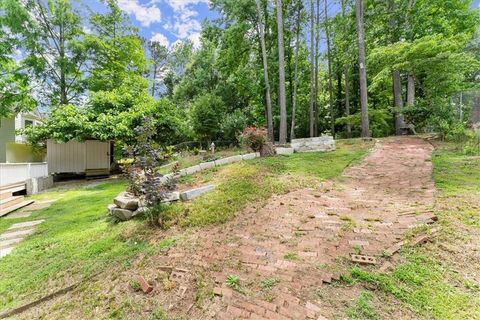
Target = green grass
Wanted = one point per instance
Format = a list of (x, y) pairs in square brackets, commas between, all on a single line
[(362, 309), (75, 241), (257, 180), (424, 281)]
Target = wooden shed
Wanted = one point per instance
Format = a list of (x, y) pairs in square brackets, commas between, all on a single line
[(90, 157)]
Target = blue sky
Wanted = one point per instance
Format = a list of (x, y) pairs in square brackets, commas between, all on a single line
[(166, 21)]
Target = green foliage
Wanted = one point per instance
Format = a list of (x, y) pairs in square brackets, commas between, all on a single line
[(233, 282), (233, 124), (380, 125), (207, 115)]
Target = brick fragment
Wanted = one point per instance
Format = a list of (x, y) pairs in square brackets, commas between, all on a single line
[(420, 239), (146, 287)]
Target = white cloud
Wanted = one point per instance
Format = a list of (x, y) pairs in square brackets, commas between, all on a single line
[(145, 14), (195, 38), (185, 24), (160, 38)]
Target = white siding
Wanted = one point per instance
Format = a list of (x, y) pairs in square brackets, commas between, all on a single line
[(77, 157), (12, 173), (7, 135), (98, 154), (66, 157)]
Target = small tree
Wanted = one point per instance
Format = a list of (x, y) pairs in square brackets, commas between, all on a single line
[(207, 115), (141, 169)]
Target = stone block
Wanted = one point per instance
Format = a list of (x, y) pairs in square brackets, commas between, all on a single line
[(194, 193), (207, 165), (221, 162), (110, 208), (249, 156), (122, 214), (315, 144), (127, 201), (193, 169), (171, 196), (36, 185), (284, 151)]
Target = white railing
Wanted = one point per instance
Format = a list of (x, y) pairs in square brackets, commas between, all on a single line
[(12, 173)]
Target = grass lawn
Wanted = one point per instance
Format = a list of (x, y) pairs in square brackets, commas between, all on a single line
[(76, 240), (437, 281)]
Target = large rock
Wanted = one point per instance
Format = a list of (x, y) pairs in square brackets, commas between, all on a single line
[(110, 208), (323, 143), (194, 193), (122, 214), (127, 201)]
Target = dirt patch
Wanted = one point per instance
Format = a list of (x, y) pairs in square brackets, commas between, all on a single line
[(278, 258)]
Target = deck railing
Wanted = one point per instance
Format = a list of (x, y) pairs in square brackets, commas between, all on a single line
[(14, 173)]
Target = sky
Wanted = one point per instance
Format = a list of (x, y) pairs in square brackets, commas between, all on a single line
[(166, 21)]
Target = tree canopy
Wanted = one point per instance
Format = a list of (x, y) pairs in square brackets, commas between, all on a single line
[(291, 61)]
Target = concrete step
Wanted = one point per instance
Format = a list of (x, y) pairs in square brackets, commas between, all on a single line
[(5, 251), (5, 211), (22, 225), (16, 234), (9, 242), (11, 201)]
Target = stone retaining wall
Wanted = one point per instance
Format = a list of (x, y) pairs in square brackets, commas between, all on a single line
[(322, 143)]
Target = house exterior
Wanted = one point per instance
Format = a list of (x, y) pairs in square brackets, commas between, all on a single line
[(13, 148)]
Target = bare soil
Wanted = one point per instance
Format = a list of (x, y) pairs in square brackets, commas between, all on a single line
[(285, 254)]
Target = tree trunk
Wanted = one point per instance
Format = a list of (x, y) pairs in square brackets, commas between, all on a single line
[(347, 80), (330, 84), (347, 101), (398, 102), (317, 43), (410, 90), (154, 79), (63, 80), (268, 98), (312, 75), (295, 77), (362, 68), (281, 76)]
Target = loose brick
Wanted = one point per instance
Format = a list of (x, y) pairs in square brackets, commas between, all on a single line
[(420, 239), (146, 287), (363, 259)]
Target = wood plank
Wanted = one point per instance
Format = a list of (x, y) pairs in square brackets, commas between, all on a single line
[(15, 207)]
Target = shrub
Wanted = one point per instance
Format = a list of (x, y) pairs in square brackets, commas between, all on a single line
[(254, 138)]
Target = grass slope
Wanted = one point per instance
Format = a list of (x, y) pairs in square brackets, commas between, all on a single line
[(255, 181)]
